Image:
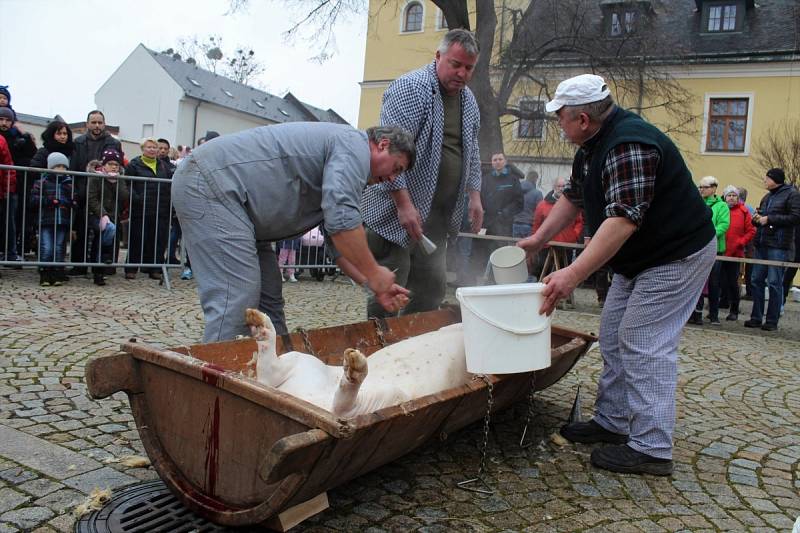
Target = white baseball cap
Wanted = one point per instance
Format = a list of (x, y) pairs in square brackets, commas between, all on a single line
[(583, 89)]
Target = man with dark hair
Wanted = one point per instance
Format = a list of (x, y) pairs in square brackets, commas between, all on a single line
[(93, 143), (435, 104), (238, 194), (163, 154), (775, 221), (163, 149), (629, 177), (88, 147), (501, 197)]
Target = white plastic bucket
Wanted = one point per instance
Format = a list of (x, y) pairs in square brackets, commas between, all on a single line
[(503, 330), (508, 265)]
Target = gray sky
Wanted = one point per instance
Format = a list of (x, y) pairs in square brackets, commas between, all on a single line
[(55, 54)]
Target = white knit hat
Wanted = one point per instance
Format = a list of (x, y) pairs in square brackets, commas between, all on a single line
[(579, 90)]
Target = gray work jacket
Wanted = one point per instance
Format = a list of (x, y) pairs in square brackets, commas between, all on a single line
[(290, 177)]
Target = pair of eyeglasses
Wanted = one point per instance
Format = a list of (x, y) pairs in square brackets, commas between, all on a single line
[(706, 186)]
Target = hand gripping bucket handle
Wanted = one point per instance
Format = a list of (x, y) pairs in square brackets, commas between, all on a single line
[(529, 331)]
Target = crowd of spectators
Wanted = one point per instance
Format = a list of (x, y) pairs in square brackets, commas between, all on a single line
[(771, 231), (514, 207), (52, 217)]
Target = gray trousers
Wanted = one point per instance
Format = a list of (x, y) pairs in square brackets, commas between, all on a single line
[(640, 328), (232, 269), (424, 275)]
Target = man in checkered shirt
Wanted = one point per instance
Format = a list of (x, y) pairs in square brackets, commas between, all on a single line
[(435, 105), (649, 223)]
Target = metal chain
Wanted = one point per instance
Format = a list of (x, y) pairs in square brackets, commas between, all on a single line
[(486, 419), (303, 333), (529, 415), (485, 444)]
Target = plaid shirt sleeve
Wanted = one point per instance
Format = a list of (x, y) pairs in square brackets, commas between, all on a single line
[(573, 191), (629, 179)]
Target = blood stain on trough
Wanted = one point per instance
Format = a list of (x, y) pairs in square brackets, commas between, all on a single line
[(212, 374), (212, 450)]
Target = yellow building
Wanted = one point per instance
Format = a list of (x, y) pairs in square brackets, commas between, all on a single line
[(737, 61)]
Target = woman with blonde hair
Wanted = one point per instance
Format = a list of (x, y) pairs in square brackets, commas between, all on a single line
[(149, 212)]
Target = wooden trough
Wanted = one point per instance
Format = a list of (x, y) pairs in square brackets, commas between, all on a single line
[(240, 453)]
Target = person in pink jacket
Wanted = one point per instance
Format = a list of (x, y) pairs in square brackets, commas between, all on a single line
[(740, 232)]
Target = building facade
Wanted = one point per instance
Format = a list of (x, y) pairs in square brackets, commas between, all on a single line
[(736, 62), (154, 94)]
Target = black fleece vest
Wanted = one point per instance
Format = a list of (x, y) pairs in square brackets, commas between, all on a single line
[(676, 224)]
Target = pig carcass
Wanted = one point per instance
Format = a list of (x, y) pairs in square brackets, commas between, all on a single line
[(408, 369)]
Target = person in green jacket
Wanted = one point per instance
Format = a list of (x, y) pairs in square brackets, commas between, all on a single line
[(721, 218)]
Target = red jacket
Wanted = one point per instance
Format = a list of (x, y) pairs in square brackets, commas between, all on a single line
[(569, 234), (8, 178), (740, 232)]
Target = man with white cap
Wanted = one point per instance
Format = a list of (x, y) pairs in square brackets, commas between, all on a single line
[(628, 177)]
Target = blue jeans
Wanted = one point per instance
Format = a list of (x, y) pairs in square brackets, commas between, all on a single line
[(773, 275), (520, 231), (108, 235), (52, 243)]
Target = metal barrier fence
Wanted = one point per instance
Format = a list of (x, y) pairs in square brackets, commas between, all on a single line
[(56, 220), (59, 219), (312, 257), (80, 219)]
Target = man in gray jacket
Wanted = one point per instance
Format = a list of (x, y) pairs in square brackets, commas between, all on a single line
[(238, 194)]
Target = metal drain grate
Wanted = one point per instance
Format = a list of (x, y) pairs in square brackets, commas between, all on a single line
[(145, 508)]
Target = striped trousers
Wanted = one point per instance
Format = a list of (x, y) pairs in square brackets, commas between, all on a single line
[(640, 328)]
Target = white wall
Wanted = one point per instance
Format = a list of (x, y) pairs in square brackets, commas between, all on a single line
[(212, 117), (130, 149), (140, 92), (185, 134)]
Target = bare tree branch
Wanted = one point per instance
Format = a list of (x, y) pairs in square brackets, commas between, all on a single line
[(241, 66), (778, 147), (537, 44)]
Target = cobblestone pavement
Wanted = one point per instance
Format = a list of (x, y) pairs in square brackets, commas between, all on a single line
[(737, 439)]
